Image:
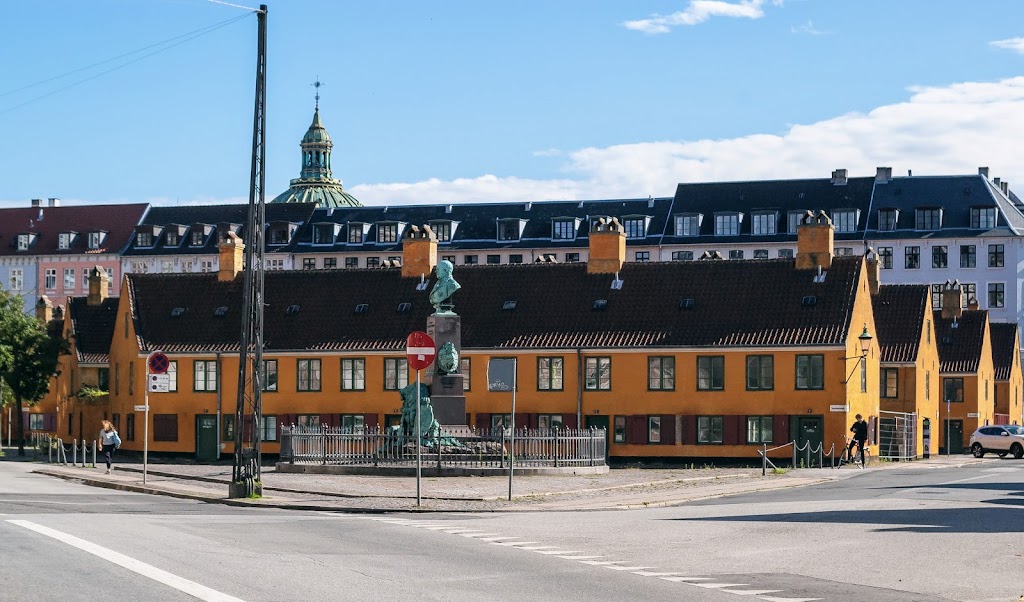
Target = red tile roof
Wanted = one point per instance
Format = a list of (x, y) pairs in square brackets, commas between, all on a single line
[(735, 303), (92, 328), (960, 347), (900, 312), (1005, 345), (118, 221)]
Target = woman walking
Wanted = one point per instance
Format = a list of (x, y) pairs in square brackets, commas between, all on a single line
[(110, 441)]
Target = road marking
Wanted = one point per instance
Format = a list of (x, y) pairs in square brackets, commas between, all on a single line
[(557, 552), (629, 568), (498, 538), (751, 592), (686, 579), (535, 548), (602, 562), (984, 476), (650, 574), (513, 544), (136, 566), (1001, 470), (719, 585), (771, 599), (580, 557)]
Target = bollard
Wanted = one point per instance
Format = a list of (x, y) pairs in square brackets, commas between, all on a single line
[(807, 455), (794, 455), (74, 452), (95, 444), (764, 460), (821, 456), (554, 450)]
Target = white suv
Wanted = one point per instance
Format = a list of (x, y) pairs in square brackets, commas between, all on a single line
[(1000, 440)]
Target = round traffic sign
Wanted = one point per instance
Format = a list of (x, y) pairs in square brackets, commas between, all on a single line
[(158, 363), (420, 350)]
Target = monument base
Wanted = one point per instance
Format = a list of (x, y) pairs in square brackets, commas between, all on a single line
[(447, 395)]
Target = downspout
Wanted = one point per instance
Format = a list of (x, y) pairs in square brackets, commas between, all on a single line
[(579, 388), (219, 388)]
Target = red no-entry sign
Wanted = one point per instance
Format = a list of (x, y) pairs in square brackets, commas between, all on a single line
[(419, 349), (158, 363)]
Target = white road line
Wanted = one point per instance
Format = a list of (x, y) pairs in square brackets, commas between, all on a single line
[(578, 557), (751, 592), (557, 552), (137, 566), (629, 568), (498, 538), (513, 544), (686, 579), (650, 574), (477, 535), (602, 562), (719, 585), (458, 531), (984, 476), (771, 599), (535, 548)]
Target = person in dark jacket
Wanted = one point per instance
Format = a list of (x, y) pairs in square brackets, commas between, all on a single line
[(860, 437)]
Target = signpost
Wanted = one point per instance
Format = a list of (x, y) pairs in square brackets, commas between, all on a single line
[(158, 381), (501, 376), (420, 352)]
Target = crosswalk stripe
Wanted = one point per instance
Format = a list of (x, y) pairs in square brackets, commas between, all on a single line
[(686, 579), (557, 552), (628, 568), (650, 574), (719, 585), (771, 599), (751, 592)]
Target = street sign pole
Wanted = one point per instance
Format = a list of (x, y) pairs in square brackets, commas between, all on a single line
[(512, 439), (156, 363), (145, 434), (419, 352), (419, 458)]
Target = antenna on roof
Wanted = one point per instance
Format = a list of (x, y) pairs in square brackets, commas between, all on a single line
[(422, 284)]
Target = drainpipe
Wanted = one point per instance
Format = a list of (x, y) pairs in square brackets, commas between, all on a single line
[(219, 388), (579, 388)]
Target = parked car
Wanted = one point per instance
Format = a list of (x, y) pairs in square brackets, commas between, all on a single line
[(1001, 440)]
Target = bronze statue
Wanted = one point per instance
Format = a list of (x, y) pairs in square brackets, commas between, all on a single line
[(448, 359), (444, 288)]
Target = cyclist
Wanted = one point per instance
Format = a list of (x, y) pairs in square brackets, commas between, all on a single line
[(860, 437)]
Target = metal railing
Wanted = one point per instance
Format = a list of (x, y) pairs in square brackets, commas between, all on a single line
[(484, 448), (799, 460), (897, 436), (57, 451)]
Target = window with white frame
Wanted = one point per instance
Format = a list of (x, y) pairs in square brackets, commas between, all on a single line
[(64, 241), (936, 296), (69, 278), (598, 373), (204, 374), (760, 253), (17, 279), (983, 218), (442, 230), (275, 264), (793, 219), (763, 223), (887, 219), (396, 373), (736, 254), (635, 227), (759, 429), (351, 262), (940, 257), (171, 237), (144, 239), (885, 257), (198, 237), (172, 376), (206, 265), (23, 240), (95, 240), (50, 279), (786, 253), (167, 266), (845, 220), (688, 225), (642, 256), (727, 224)]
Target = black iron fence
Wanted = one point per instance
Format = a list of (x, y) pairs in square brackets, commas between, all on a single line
[(467, 447)]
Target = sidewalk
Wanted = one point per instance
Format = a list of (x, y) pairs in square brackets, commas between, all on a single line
[(619, 490)]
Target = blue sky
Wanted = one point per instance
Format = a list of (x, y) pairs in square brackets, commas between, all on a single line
[(446, 101)]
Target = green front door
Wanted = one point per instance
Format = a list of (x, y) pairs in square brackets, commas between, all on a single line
[(206, 438), (955, 442), (810, 430), (600, 422)]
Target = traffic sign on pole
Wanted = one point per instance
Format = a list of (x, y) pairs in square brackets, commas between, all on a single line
[(420, 350), (158, 363), (159, 383)]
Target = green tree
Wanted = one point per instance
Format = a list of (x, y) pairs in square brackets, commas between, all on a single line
[(28, 358)]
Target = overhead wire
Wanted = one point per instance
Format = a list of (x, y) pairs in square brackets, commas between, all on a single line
[(181, 39)]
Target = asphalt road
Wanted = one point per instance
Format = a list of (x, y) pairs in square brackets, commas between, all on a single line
[(896, 534)]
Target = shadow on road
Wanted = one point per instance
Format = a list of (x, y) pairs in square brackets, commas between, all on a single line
[(953, 520), (1017, 488)]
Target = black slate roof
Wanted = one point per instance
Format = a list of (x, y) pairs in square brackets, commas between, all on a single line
[(734, 303), (1005, 345), (960, 346)]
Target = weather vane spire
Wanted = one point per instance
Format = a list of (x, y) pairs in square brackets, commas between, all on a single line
[(316, 84)]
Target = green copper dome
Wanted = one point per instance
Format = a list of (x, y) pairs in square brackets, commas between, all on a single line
[(315, 183)]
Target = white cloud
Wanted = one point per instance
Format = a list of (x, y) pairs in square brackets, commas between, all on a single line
[(937, 130), (699, 11), (809, 29), (1014, 44)]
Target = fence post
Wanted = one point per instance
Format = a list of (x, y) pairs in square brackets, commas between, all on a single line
[(502, 454), (554, 448), (807, 455), (821, 455), (323, 438), (764, 459), (794, 454), (94, 445)]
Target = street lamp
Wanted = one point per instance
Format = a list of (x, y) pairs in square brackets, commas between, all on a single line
[(865, 341)]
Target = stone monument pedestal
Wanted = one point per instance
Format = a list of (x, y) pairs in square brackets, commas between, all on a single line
[(447, 392)]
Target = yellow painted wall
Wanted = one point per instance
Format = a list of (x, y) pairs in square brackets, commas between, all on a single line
[(1009, 392), (976, 400)]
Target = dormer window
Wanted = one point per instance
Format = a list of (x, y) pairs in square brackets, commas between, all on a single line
[(793, 220), (25, 241), (727, 224), (928, 218), (442, 230), (564, 228), (143, 239), (387, 232), (171, 238), (356, 233), (635, 226), (764, 223), (323, 234), (510, 229), (198, 237), (887, 219), (65, 240), (688, 224), (223, 229), (845, 220), (281, 233), (983, 218)]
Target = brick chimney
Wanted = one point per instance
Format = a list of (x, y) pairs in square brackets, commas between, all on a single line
[(883, 175), (874, 271), (37, 203), (419, 251), (231, 257), (815, 242), (607, 247), (99, 286), (44, 309), (952, 307)]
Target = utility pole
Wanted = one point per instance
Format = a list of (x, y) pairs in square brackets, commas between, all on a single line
[(245, 476)]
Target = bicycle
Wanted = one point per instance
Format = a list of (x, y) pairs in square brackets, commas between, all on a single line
[(865, 455)]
